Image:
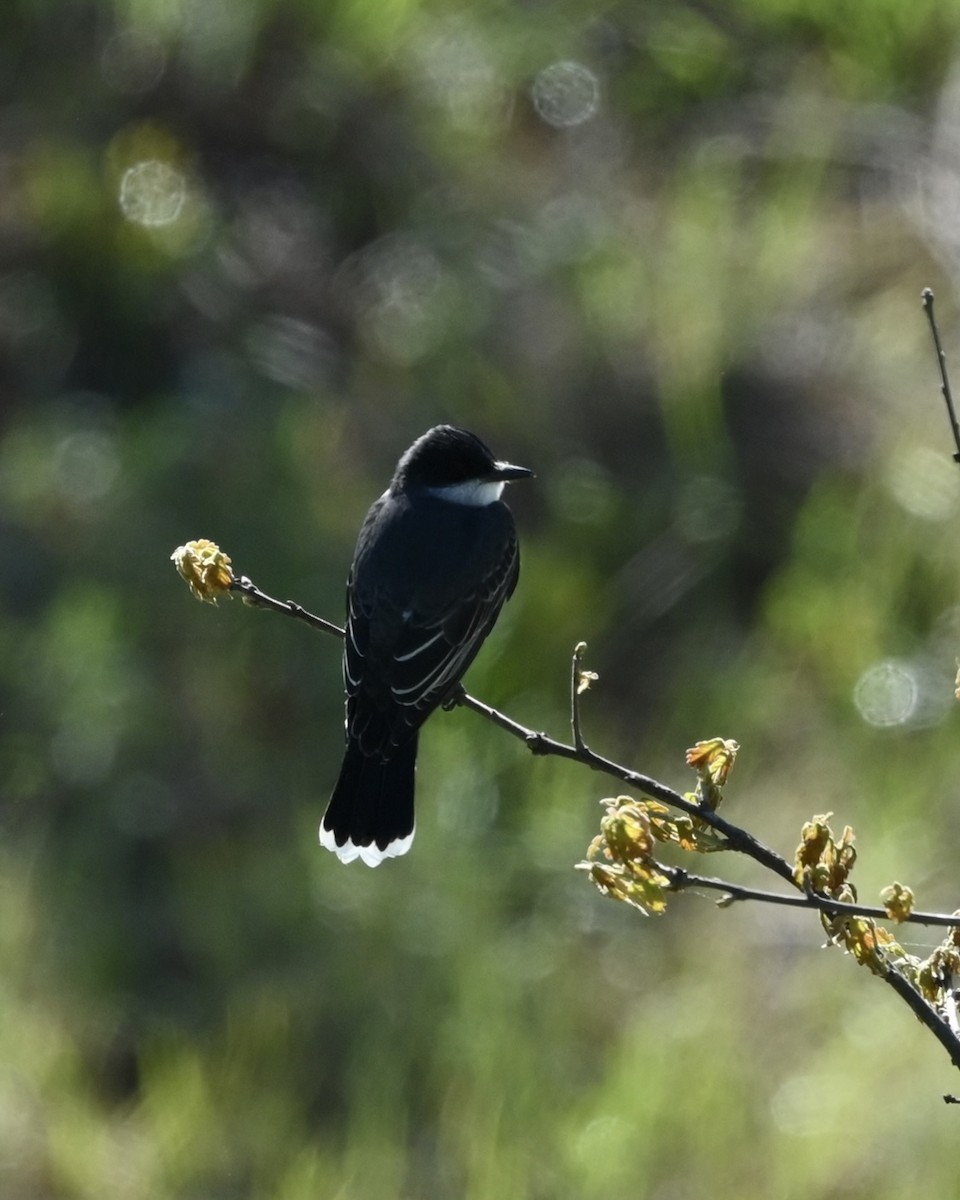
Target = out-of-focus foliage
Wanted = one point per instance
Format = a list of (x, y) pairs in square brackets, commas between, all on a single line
[(669, 255)]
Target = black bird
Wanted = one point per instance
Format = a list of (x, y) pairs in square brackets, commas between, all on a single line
[(436, 558)]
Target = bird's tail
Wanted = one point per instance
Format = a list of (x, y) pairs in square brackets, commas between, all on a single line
[(370, 814)]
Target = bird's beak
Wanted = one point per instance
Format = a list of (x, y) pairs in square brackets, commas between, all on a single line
[(506, 471)]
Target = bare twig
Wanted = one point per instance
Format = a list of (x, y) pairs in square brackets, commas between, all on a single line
[(925, 1013), (541, 743), (938, 1024), (576, 689), (253, 596), (681, 880), (927, 297)]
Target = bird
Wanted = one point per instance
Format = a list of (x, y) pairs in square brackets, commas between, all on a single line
[(435, 561)]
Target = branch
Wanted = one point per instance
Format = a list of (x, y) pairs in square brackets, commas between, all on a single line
[(207, 571), (941, 1026), (681, 879), (542, 744), (539, 743), (256, 599), (925, 1014), (927, 297), (580, 681)]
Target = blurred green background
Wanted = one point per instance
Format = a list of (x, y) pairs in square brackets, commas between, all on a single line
[(670, 255)]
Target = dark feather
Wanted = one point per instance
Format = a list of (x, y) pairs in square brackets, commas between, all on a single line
[(372, 804), (404, 654)]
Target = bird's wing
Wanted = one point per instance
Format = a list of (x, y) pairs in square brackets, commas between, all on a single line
[(395, 680)]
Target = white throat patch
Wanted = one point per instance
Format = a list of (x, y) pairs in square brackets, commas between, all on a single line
[(476, 492)]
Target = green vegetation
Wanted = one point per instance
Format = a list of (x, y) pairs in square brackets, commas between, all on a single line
[(668, 254)]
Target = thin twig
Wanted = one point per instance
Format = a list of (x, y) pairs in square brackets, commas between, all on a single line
[(937, 1023), (541, 743), (925, 1013), (736, 838), (576, 687), (253, 596), (681, 879), (927, 297)]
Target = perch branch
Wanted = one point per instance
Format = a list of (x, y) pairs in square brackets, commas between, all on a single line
[(253, 596), (542, 744), (736, 838)]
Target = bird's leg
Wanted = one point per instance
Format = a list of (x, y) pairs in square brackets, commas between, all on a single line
[(454, 698)]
